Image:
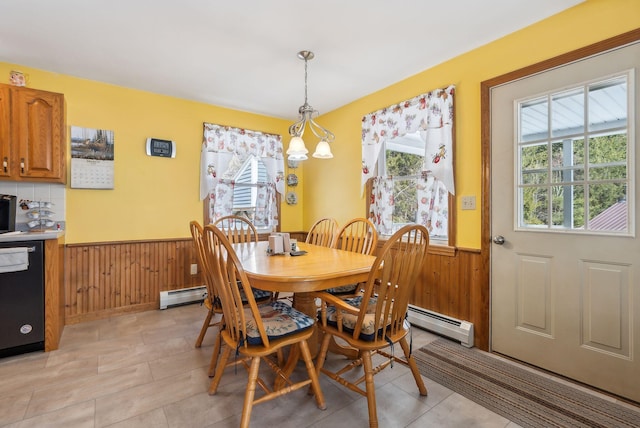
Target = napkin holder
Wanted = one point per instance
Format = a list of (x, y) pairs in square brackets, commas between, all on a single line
[(279, 243)]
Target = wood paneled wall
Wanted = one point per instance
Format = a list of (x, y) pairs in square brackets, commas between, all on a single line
[(104, 279)]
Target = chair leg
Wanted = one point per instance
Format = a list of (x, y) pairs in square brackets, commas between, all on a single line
[(250, 393), (214, 357), (315, 382), (213, 387), (371, 388), (322, 354), (413, 366), (203, 330)]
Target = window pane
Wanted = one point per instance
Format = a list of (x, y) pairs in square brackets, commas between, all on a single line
[(565, 156), (608, 157), (608, 207), (534, 120), (534, 161), (405, 202), (608, 104), (567, 113), (567, 206), (403, 164), (535, 206)]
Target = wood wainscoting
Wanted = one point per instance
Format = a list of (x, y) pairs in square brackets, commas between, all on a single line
[(456, 286), (105, 279), (454, 282)]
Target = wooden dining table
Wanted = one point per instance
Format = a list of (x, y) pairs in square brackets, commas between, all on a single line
[(319, 269)]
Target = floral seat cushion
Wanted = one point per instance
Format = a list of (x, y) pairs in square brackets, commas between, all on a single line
[(349, 320), (279, 320)]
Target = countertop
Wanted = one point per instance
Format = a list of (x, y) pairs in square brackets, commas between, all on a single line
[(31, 236)]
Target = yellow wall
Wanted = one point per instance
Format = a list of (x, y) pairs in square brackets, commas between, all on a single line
[(155, 198), (335, 183)]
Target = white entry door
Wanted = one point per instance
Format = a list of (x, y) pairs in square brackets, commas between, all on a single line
[(565, 262)]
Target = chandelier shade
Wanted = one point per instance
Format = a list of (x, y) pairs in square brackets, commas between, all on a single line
[(323, 150), (297, 149)]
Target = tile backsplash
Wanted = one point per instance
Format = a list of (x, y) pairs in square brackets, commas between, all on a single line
[(44, 192)]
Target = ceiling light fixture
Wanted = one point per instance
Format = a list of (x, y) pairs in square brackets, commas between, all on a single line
[(297, 150)]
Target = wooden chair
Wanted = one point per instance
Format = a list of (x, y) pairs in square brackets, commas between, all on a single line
[(255, 332), (323, 232), (237, 229), (211, 300), (359, 236), (374, 326)]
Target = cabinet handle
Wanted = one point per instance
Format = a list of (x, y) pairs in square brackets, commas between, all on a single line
[(22, 165), (5, 164)]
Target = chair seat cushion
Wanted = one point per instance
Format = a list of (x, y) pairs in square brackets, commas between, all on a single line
[(349, 320), (279, 320), (258, 295), (343, 289), (261, 294)]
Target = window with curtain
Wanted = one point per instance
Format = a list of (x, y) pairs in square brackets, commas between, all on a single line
[(241, 172), (407, 162)]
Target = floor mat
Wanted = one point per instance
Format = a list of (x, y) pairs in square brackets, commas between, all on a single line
[(524, 397)]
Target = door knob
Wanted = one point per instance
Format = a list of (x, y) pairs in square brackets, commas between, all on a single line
[(498, 239)]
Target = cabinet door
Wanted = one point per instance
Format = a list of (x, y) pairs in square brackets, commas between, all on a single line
[(5, 132), (38, 130)]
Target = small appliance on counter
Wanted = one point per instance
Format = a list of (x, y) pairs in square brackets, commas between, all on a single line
[(7, 213)]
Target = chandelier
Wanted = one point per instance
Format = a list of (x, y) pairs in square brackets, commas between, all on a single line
[(297, 150)]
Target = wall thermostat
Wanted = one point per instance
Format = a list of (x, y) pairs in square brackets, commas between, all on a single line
[(162, 148)]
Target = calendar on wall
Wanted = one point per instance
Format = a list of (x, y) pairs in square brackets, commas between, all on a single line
[(92, 160)]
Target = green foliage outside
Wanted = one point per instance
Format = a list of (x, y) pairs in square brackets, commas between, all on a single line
[(564, 190), (401, 164)]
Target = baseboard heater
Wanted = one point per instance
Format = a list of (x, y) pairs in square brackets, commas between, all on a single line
[(183, 296), (442, 324)]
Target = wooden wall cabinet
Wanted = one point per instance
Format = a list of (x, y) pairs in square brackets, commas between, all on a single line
[(32, 135)]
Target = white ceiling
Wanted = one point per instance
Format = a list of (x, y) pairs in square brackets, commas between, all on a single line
[(242, 54)]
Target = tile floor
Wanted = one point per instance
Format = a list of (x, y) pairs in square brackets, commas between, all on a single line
[(142, 370)]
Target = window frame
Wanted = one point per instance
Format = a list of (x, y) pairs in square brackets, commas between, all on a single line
[(586, 133)]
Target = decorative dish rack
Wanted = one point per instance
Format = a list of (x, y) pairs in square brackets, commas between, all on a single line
[(39, 215)]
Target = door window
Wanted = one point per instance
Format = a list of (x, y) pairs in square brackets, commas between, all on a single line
[(573, 158)]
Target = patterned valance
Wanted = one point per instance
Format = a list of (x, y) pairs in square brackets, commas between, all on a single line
[(431, 114), (222, 144)]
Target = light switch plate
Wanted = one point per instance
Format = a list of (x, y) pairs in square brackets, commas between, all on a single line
[(468, 202), (194, 269)]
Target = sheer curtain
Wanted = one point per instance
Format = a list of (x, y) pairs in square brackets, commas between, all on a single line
[(222, 148), (430, 114)]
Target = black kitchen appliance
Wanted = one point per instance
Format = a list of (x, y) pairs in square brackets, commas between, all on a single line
[(22, 302), (7, 213)]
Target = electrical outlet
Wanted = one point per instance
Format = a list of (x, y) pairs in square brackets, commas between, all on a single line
[(468, 202), (194, 269)]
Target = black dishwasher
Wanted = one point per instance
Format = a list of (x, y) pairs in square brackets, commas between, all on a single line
[(22, 303)]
